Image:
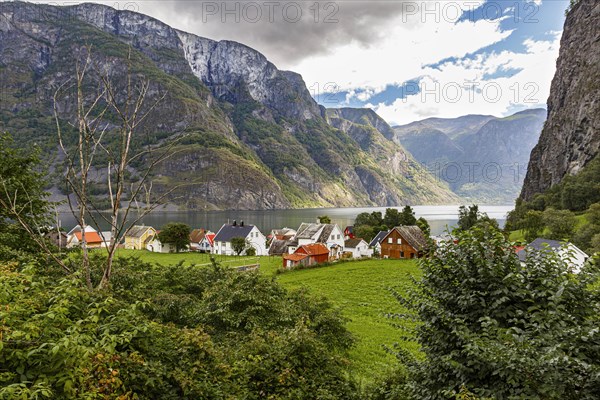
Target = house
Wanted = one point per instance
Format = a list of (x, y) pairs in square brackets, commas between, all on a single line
[(349, 232), (253, 236), (57, 238), (279, 240), (93, 240), (278, 247), (138, 237), (375, 244), (155, 245), (207, 244), (565, 250), (282, 234), (358, 248), (308, 254), (328, 234), (197, 242), (403, 242)]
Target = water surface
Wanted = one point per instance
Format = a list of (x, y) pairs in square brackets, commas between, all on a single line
[(439, 217)]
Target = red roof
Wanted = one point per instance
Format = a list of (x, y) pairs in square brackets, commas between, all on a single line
[(90, 237), (211, 238), (294, 257), (315, 249)]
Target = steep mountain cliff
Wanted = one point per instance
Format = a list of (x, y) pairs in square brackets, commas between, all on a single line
[(483, 158), (571, 136), (253, 137)]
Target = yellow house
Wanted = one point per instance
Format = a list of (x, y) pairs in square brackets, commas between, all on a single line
[(137, 237)]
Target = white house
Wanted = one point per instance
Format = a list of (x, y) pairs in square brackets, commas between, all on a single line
[(254, 238), (566, 251), (358, 247), (156, 246), (376, 242), (328, 234)]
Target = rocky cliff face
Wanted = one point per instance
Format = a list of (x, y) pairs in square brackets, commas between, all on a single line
[(254, 137), (571, 135)]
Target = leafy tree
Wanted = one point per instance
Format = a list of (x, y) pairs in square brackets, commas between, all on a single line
[(238, 244), (533, 225), (560, 223), (176, 234), (24, 207), (424, 226), (324, 219), (365, 232), (582, 238), (595, 244), (391, 218), (494, 328), (468, 217), (593, 214), (407, 216), (373, 219)]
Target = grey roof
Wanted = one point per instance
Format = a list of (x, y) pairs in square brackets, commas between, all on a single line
[(377, 239), (352, 243), (138, 231), (327, 229), (413, 235), (278, 247), (539, 244), (307, 230), (228, 232)]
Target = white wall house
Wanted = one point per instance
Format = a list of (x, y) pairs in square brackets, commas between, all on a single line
[(566, 251), (328, 234), (358, 247), (252, 235), (156, 246)]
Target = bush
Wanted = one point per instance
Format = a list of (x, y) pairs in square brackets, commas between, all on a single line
[(492, 327), (169, 332)]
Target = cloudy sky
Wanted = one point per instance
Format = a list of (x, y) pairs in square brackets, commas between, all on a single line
[(408, 60)]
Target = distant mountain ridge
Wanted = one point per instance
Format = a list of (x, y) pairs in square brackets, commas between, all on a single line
[(483, 158), (254, 137)]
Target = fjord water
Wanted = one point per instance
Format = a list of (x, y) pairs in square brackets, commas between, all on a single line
[(440, 217)]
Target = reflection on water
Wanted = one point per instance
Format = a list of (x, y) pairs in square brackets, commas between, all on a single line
[(439, 217)]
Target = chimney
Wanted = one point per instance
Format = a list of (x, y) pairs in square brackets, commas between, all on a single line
[(242, 223), (234, 222)]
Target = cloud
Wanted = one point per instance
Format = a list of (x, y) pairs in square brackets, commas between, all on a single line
[(460, 87), (405, 51)]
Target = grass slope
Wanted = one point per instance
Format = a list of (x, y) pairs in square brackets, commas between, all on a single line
[(361, 290)]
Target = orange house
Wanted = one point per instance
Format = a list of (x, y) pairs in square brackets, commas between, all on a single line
[(309, 254), (403, 242)]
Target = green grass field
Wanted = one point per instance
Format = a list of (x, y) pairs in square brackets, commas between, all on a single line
[(360, 289)]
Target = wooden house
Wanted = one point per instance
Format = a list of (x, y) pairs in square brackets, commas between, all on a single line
[(309, 254), (403, 242)]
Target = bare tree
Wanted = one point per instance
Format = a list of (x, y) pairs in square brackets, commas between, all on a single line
[(128, 105)]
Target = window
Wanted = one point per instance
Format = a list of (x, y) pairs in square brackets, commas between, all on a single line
[(390, 240), (399, 241), (401, 253), (338, 236)]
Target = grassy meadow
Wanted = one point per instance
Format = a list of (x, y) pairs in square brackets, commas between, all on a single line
[(362, 290)]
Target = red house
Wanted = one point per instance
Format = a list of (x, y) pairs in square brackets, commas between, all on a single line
[(349, 232), (309, 254)]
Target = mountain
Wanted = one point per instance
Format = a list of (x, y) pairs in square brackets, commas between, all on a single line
[(251, 136), (482, 158), (570, 139)]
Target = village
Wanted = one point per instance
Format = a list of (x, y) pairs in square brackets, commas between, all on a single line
[(311, 244)]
